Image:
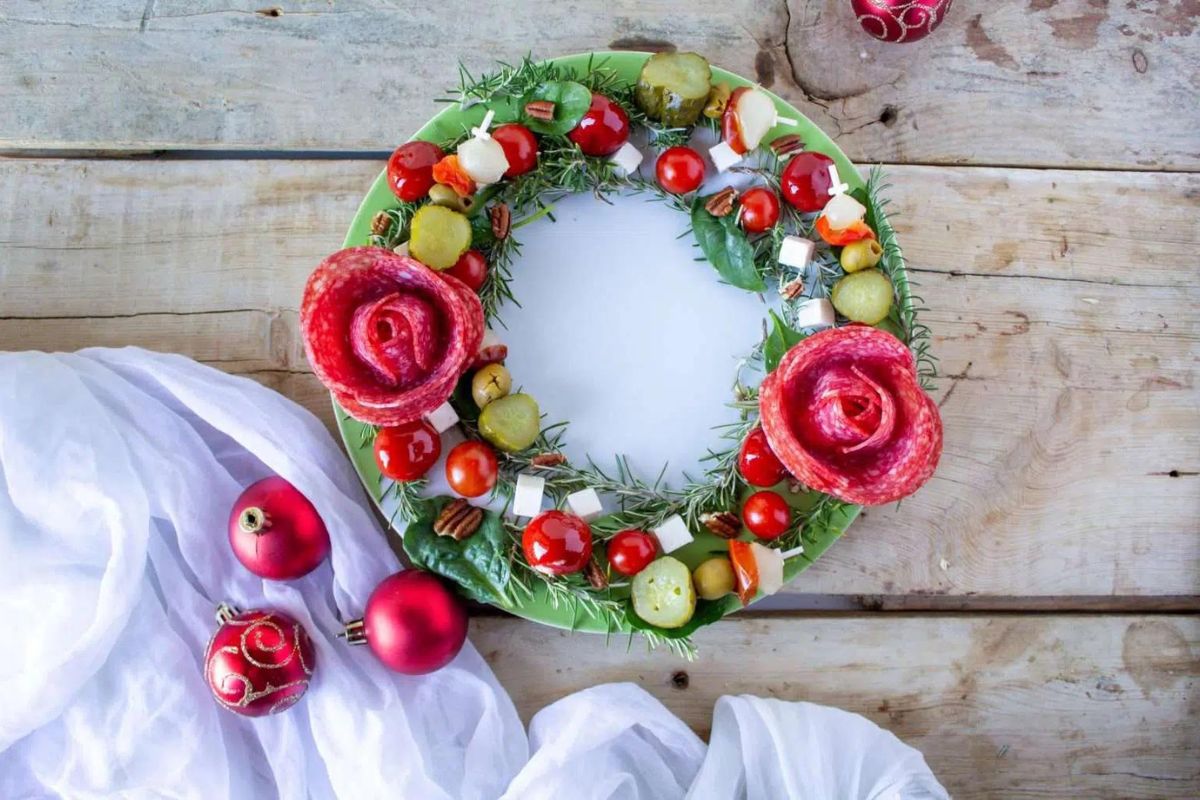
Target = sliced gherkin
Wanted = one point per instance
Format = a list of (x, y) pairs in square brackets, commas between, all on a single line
[(673, 88)]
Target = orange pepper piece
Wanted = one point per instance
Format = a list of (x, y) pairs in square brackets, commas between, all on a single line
[(745, 570), (449, 172), (843, 236)]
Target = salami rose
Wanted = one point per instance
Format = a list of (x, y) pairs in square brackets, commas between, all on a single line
[(846, 415), (386, 334)]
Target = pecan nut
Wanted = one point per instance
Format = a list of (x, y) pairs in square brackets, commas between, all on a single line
[(540, 109), (595, 575), (721, 203), (501, 218), (547, 460), (458, 520), (381, 223), (722, 523), (792, 289), (787, 144)]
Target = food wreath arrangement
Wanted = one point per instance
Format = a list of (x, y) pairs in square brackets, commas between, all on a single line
[(832, 414)]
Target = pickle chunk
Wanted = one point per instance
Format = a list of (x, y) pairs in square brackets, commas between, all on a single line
[(673, 88), (663, 594), (439, 236), (864, 296)]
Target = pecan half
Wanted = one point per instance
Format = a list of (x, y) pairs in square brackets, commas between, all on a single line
[(787, 144), (792, 289), (595, 575), (721, 203), (458, 520), (722, 523), (381, 223), (547, 460), (501, 218), (540, 109)]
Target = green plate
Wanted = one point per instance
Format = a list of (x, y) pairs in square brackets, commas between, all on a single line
[(448, 123)]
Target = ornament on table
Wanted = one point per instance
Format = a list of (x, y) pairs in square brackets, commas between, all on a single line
[(900, 20), (258, 662), (413, 623), (276, 532)]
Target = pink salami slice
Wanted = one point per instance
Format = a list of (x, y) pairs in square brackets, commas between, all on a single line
[(386, 334), (845, 413)]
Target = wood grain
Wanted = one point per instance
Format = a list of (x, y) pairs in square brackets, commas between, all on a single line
[(1014, 706), (1069, 345), (1086, 83)]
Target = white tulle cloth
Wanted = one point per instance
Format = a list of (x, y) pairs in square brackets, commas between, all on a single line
[(118, 470)]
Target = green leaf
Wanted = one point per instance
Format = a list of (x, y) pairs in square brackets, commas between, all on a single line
[(781, 339), (707, 612), (725, 245), (571, 101), (478, 564)]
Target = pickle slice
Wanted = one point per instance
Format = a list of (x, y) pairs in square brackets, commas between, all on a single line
[(673, 88), (511, 423), (439, 236), (663, 594), (864, 296)]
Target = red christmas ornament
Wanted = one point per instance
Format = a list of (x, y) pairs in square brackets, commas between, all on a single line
[(275, 532), (413, 623), (258, 662), (900, 20)]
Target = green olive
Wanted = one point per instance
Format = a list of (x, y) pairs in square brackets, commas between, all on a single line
[(442, 195), (439, 236), (713, 578), (663, 594), (490, 383), (511, 423), (860, 255), (863, 296)]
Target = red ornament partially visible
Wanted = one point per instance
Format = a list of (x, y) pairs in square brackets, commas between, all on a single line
[(258, 662), (413, 623), (275, 531), (900, 20)]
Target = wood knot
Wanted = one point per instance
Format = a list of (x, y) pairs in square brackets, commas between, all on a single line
[(680, 680)]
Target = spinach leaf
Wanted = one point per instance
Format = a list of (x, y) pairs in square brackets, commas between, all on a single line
[(725, 245), (707, 612), (478, 564), (779, 341), (571, 101)]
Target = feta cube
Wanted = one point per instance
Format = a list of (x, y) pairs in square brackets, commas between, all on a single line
[(401, 249), (672, 534), (770, 568), (527, 498), (843, 211), (627, 159), (585, 504), (796, 252), (443, 417), (723, 156), (815, 313)]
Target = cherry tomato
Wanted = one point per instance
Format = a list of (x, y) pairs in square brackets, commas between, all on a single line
[(630, 552), (520, 148), (766, 514), (679, 170), (471, 268), (451, 173), (745, 570), (471, 469), (805, 181), (843, 236), (410, 169), (557, 543), (730, 131), (757, 461), (760, 209), (603, 129), (406, 452)]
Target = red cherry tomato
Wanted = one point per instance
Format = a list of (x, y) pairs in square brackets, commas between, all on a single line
[(805, 181), (410, 169), (730, 129), (757, 461), (471, 469), (766, 514), (557, 543), (603, 129), (406, 452), (760, 210), (630, 552), (854, 232), (471, 268), (679, 170), (520, 148), (745, 570)]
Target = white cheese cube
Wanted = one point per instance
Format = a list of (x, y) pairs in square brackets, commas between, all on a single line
[(585, 504), (490, 339), (815, 313), (627, 159), (672, 534), (770, 568), (723, 156), (443, 417), (401, 249), (843, 211), (796, 252), (527, 498)]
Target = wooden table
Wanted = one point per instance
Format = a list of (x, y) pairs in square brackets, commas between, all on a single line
[(1028, 619)]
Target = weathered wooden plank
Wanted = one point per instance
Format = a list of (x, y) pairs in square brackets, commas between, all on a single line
[(1070, 403), (1078, 82), (1013, 706)]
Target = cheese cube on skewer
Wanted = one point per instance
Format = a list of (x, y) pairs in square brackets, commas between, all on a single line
[(627, 159), (672, 534), (443, 417), (585, 504), (815, 313), (723, 156), (770, 569), (527, 497), (796, 252), (843, 211)]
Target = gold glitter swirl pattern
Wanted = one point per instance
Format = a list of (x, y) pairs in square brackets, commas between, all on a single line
[(910, 17), (267, 642)]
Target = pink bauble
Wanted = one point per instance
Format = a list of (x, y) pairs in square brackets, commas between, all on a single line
[(258, 662), (413, 623), (900, 20), (276, 532)]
